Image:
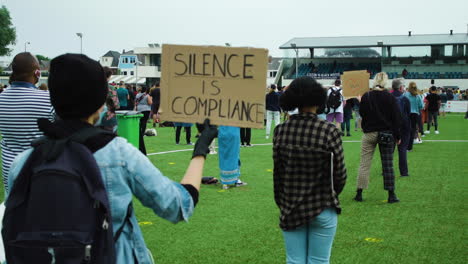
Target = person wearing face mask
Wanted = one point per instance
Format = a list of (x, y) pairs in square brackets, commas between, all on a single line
[(20, 107)]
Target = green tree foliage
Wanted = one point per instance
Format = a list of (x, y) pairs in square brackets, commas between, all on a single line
[(42, 57), (7, 32), (352, 52)]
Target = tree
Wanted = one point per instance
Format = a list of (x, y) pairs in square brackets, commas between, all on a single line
[(7, 32), (42, 57), (352, 52)]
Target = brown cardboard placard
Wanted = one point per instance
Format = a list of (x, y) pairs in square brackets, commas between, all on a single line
[(355, 83), (225, 84)]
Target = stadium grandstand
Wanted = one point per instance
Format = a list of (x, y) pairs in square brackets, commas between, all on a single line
[(431, 58)]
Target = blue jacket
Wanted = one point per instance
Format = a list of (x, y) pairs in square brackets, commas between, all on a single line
[(126, 172), (415, 102)]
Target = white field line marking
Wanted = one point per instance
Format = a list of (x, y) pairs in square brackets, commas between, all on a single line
[(269, 144)]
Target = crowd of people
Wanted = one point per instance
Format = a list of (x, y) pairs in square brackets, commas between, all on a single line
[(79, 105)]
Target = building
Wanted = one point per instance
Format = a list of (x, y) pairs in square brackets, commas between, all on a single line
[(420, 58), (150, 66), (111, 60), (274, 65)]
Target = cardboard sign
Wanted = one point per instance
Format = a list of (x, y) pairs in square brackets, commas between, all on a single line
[(355, 83), (225, 84)]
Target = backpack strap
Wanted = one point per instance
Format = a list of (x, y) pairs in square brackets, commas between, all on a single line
[(127, 219)]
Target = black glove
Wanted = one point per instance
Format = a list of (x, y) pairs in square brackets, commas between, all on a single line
[(206, 137)]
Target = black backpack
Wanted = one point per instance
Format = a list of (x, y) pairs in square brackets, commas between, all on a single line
[(334, 100), (59, 205)]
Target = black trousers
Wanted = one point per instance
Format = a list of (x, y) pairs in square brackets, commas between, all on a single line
[(143, 122), (188, 134), (245, 135), (432, 116), (420, 124), (414, 120), (406, 138)]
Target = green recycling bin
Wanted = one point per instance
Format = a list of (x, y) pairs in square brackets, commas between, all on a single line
[(129, 126)]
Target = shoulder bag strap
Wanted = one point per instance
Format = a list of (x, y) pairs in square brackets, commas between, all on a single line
[(127, 219)]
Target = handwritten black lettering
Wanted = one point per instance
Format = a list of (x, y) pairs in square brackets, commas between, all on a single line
[(213, 104), (181, 61), (221, 68), (247, 65), (229, 66), (194, 99), (173, 103), (221, 108), (202, 105), (214, 84), (205, 62)]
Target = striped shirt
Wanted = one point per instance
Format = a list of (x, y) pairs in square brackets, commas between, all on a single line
[(21, 105)]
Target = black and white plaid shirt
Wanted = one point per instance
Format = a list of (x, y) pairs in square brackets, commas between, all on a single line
[(302, 148)]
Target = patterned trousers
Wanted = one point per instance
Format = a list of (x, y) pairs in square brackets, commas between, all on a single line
[(369, 143)]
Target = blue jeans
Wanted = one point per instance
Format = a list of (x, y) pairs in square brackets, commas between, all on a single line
[(312, 242)]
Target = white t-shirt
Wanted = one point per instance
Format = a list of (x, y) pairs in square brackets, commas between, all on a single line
[(340, 108)]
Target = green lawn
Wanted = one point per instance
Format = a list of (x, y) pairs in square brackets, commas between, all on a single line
[(240, 225)]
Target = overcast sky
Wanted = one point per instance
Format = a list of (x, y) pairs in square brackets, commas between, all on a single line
[(51, 25)]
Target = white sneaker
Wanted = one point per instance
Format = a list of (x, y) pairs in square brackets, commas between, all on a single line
[(240, 183), (415, 141), (437, 132), (225, 186), (423, 135), (427, 132), (212, 152), (420, 141)]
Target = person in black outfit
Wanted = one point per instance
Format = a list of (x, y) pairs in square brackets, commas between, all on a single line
[(380, 116), (156, 95), (405, 129), (433, 105), (347, 116), (131, 101), (245, 135)]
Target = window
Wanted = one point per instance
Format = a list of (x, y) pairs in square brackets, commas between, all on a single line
[(132, 60), (124, 73), (131, 73), (125, 60)]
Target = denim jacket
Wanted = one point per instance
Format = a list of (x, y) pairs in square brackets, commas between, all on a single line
[(126, 172)]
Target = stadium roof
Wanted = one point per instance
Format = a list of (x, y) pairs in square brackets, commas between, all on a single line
[(373, 41)]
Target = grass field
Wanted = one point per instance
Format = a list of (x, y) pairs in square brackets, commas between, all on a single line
[(240, 225)]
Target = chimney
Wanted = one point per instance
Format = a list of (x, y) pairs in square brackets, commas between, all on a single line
[(409, 33), (451, 32), (123, 51)]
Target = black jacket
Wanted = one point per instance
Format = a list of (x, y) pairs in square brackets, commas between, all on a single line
[(380, 112)]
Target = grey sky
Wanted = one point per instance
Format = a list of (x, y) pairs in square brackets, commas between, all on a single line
[(50, 25)]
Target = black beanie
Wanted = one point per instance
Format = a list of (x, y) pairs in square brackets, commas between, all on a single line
[(77, 85)]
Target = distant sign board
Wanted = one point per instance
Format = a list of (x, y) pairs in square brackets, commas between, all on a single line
[(324, 75), (355, 83), (225, 84), (457, 106)]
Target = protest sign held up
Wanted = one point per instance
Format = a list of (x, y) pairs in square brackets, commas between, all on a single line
[(224, 84), (355, 83)]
